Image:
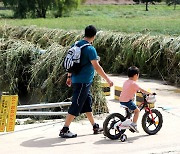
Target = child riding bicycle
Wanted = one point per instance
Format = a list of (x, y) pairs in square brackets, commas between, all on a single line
[(130, 87)]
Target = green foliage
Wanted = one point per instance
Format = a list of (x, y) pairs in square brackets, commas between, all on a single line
[(173, 2), (156, 55), (43, 77), (118, 18), (36, 75), (82, 1), (64, 7), (170, 2), (39, 8), (146, 2), (17, 57)]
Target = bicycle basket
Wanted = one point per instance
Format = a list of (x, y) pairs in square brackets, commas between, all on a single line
[(151, 99)]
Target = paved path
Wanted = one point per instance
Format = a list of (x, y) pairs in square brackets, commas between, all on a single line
[(43, 138), (168, 97)]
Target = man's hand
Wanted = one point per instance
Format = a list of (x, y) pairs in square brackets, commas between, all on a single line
[(101, 72), (110, 83), (68, 82)]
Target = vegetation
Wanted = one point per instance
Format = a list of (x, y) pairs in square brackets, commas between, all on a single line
[(146, 2), (157, 56), (39, 8), (32, 55), (173, 2), (161, 19), (37, 75)]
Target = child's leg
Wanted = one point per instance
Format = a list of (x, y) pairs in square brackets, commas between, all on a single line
[(133, 125), (136, 115)]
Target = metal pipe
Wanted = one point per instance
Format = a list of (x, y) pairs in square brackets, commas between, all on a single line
[(42, 105), (40, 113)]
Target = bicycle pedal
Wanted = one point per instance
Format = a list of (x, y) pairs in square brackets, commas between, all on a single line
[(117, 128), (132, 130)]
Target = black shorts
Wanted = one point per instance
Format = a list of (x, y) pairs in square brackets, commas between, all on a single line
[(81, 99)]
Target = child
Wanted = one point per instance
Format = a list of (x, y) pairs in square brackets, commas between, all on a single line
[(129, 89)]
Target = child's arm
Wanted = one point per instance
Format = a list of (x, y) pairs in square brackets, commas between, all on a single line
[(144, 91)]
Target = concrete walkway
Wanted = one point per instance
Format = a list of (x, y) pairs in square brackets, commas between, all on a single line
[(42, 138)]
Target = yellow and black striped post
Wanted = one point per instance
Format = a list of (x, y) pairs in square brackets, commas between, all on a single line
[(117, 92), (8, 108), (139, 97), (106, 88)]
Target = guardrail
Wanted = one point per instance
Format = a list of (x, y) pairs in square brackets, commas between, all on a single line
[(21, 108), (40, 113)]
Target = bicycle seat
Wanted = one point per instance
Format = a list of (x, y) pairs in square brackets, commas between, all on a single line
[(126, 108)]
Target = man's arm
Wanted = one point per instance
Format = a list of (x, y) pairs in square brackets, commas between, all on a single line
[(101, 72)]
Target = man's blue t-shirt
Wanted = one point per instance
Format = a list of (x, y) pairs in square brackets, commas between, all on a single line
[(86, 73)]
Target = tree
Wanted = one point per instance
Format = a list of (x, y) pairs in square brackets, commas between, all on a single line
[(19, 9), (173, 2), (38, 8), (64, 7), (146, 2)]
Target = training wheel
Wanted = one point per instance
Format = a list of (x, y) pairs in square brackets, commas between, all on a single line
[(123, 137)]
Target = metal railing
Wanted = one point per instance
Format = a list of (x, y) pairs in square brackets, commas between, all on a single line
[(21, 108)]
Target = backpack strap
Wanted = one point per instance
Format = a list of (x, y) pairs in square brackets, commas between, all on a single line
[(87, 44)]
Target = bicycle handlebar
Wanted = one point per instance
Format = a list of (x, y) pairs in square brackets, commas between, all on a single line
[(146, 94)]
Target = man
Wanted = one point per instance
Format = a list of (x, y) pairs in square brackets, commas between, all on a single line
[(81, 83)]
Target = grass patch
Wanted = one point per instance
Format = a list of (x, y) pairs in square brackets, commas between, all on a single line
[(160, 19)]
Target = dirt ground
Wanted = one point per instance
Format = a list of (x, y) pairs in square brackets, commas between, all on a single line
[(109, 2)]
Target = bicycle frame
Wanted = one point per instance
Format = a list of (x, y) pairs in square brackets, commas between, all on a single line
[(143, 105), (116, 124)]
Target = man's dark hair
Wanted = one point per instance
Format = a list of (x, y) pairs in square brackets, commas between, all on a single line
[(90, 31), (133, 70)]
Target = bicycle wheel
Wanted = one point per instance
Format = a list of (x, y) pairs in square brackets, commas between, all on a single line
[(108, 126), (152, 127)]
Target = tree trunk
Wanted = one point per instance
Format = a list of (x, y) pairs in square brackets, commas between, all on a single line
[(44, 13), (175, 1), (41, 10), (146, 5)]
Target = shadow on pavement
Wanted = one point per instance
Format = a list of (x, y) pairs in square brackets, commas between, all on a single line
[(41, 142), (26, 129), (106, 140)]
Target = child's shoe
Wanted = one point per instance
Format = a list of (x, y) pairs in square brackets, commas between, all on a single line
[(133, 126)]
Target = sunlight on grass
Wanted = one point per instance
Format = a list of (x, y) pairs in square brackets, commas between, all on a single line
[(160, 19)]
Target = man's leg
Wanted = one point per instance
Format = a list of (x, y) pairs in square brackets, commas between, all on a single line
[(80, 92), (90, 117), (96, 127), (69, 119), (72, 112), (65, 133)]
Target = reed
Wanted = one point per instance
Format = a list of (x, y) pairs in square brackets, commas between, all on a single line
[(37, 75), (156, 56)]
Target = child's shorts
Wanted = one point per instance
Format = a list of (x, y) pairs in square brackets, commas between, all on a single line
[(131, 105)]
